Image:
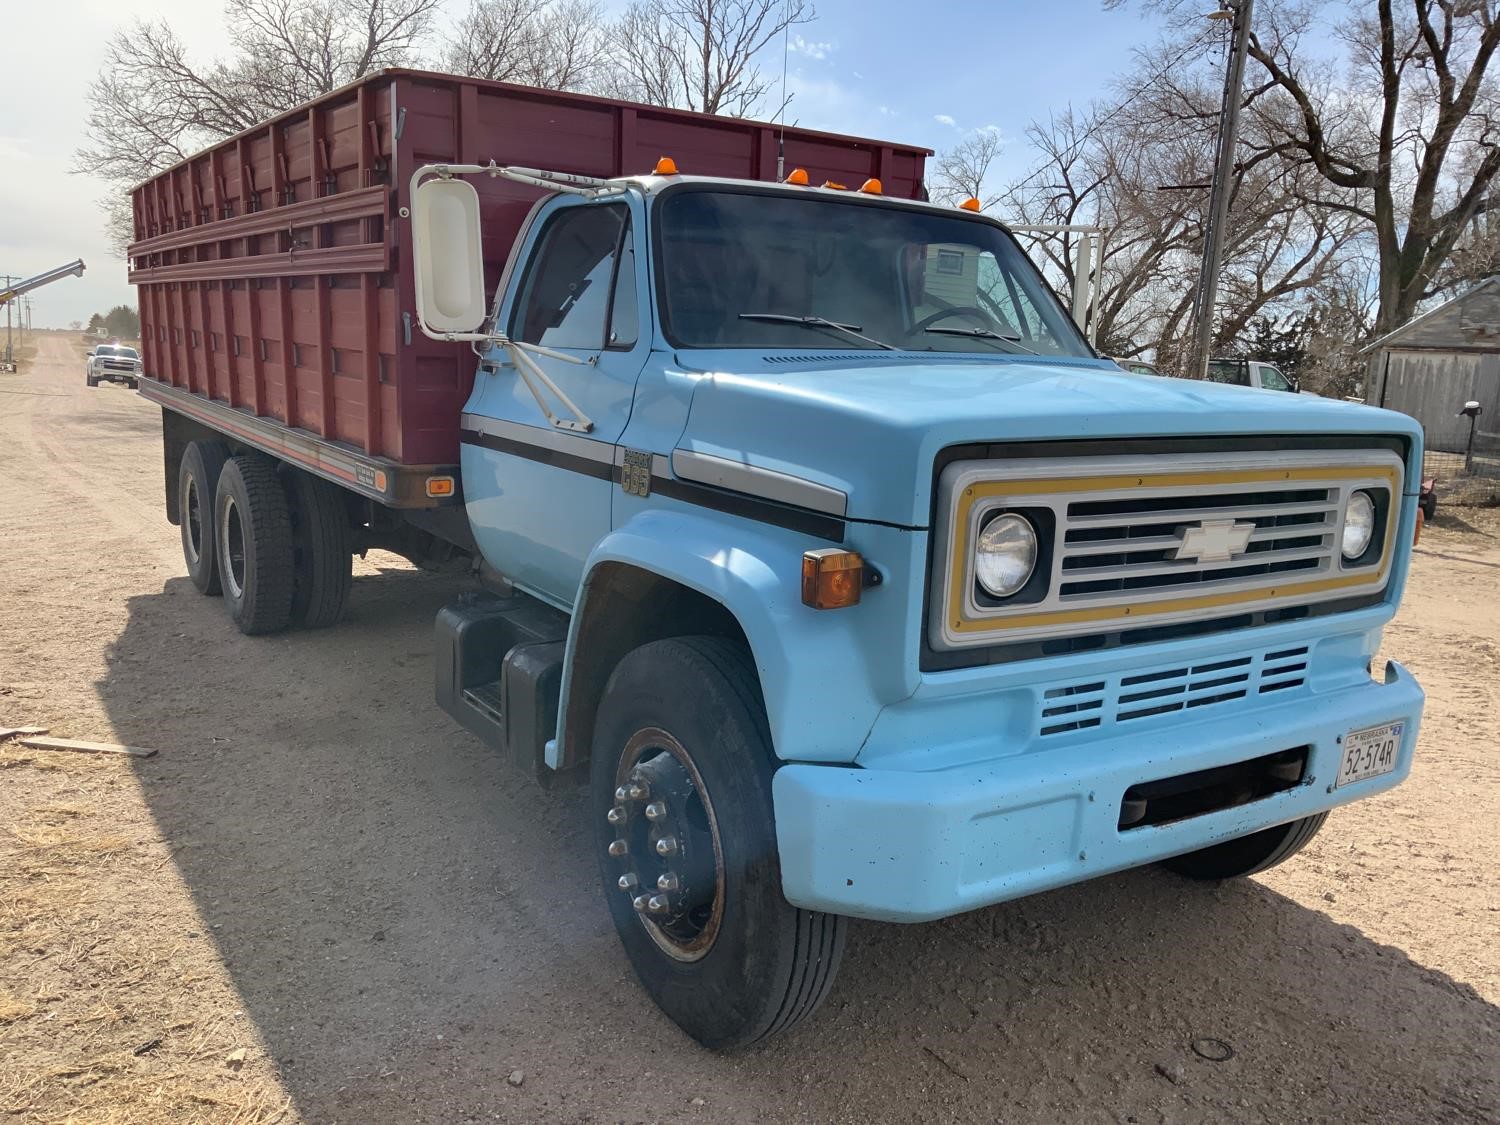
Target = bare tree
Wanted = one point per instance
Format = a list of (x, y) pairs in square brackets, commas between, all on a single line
[(1405, 137), (153, 106), (964, 171), (699, 54), (557, 44), (1108, 167)]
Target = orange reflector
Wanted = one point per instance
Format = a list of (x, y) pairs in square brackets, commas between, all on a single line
[(832, 578), (834, 186), (380, 481), (798, 177), (971, 204), (666, 166), (870, 186), (439, 486), (1416, 536)]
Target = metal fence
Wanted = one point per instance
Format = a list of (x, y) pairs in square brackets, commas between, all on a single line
[(1466, 476)]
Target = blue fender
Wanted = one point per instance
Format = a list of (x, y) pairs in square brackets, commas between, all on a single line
[(822, 692)]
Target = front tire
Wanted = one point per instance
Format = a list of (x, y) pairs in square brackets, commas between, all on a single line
[(681, 779), (1249, 854), (253, 533)]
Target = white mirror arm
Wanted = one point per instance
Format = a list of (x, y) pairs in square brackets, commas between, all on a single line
[(535, 177), (529, 370)]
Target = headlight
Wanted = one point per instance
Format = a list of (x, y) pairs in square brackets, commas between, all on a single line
[(1359, 525), (1005, 554)]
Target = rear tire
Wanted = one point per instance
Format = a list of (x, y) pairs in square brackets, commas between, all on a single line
[(322, 549), (1249, 854), (253, 533), (197, 484), (723, 953)]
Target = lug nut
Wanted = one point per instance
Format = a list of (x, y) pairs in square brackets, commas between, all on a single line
[(616, 815), (636, 791), (667, 845), (657, 904), (617, 848), (639, 902), (656, 810), (667, 882), (629, 881), (622, 794)]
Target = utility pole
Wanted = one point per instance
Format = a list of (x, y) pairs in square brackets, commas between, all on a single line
[(1218, 208), (9, 352)]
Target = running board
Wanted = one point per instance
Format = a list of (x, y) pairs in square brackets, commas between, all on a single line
[(499, 668)]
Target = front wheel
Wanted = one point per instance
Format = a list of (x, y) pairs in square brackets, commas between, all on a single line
[(681, 779), (1248, 854)]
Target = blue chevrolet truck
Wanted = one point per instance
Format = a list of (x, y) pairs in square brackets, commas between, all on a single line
[(820, 545)]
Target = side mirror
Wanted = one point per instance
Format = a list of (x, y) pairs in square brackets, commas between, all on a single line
[(448, 257)]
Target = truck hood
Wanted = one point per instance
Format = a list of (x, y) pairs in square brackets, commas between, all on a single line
[(873, 428)]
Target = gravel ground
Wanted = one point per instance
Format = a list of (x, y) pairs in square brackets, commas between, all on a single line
[(322, 901)]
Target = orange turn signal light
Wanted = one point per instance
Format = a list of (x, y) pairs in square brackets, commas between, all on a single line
[(1416, 535), (666, 166), (834, 186), (832, 578), (798, 177), (971, 204), (871, 186), (439, 486)]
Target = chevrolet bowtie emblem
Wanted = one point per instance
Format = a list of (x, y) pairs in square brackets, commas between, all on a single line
[(1214, 541)]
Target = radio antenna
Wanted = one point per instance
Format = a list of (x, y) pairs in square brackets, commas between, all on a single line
[(786, 38)]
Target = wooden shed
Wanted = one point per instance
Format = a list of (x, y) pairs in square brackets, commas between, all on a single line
[(1434, 363)]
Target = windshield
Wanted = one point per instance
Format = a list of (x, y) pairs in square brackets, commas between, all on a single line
[(114, 350), (744, 269)]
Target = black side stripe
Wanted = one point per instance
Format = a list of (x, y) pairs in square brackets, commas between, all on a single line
[(602, 470), (802, 520)]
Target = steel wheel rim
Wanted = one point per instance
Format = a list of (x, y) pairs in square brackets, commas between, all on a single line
[(194, 520), (688, 929), (232, 548)]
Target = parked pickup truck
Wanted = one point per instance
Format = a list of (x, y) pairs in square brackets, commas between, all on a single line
[(1250, 373), (812, 536)]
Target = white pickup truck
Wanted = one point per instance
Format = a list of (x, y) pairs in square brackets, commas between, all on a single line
[(1250, 373), (114, 362)]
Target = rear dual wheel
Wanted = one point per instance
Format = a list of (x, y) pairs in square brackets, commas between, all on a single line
[(681, 779), (275, 542)]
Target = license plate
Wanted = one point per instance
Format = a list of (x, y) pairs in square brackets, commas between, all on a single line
[(1369, 752)]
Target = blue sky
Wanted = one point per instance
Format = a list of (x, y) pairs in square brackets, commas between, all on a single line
[(879, 68)]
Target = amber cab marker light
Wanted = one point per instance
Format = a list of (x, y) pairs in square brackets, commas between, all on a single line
[(439, 486), (666, 166), (970, 204), (798, 178), (832, 578), (871, 186)]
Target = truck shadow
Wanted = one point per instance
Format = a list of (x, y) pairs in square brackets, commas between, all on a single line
[(407, 921)]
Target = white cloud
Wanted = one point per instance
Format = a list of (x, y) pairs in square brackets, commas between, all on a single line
[(813, 49), (944, 119), (885, 111)]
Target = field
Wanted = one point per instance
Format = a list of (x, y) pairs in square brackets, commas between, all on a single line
[(321, 901)]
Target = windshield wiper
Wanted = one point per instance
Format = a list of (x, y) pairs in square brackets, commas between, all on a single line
[(818, 322), (983, 334)]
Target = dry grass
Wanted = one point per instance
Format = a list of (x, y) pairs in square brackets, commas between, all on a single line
[(99, 1021)]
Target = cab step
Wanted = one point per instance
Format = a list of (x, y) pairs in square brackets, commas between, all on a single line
[(499, 664)]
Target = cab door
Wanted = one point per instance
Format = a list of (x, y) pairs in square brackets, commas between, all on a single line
[(538, 494)]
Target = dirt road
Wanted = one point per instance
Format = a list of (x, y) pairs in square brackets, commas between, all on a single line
[(321, 901)]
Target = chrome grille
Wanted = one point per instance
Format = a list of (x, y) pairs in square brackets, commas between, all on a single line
[(1169, 688), (1137, 541), (1111, 547)]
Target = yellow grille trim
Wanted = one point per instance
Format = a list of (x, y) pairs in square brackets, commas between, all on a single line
[(1125, 483)]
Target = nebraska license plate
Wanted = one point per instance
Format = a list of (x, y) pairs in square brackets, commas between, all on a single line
[(1369, 752)]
